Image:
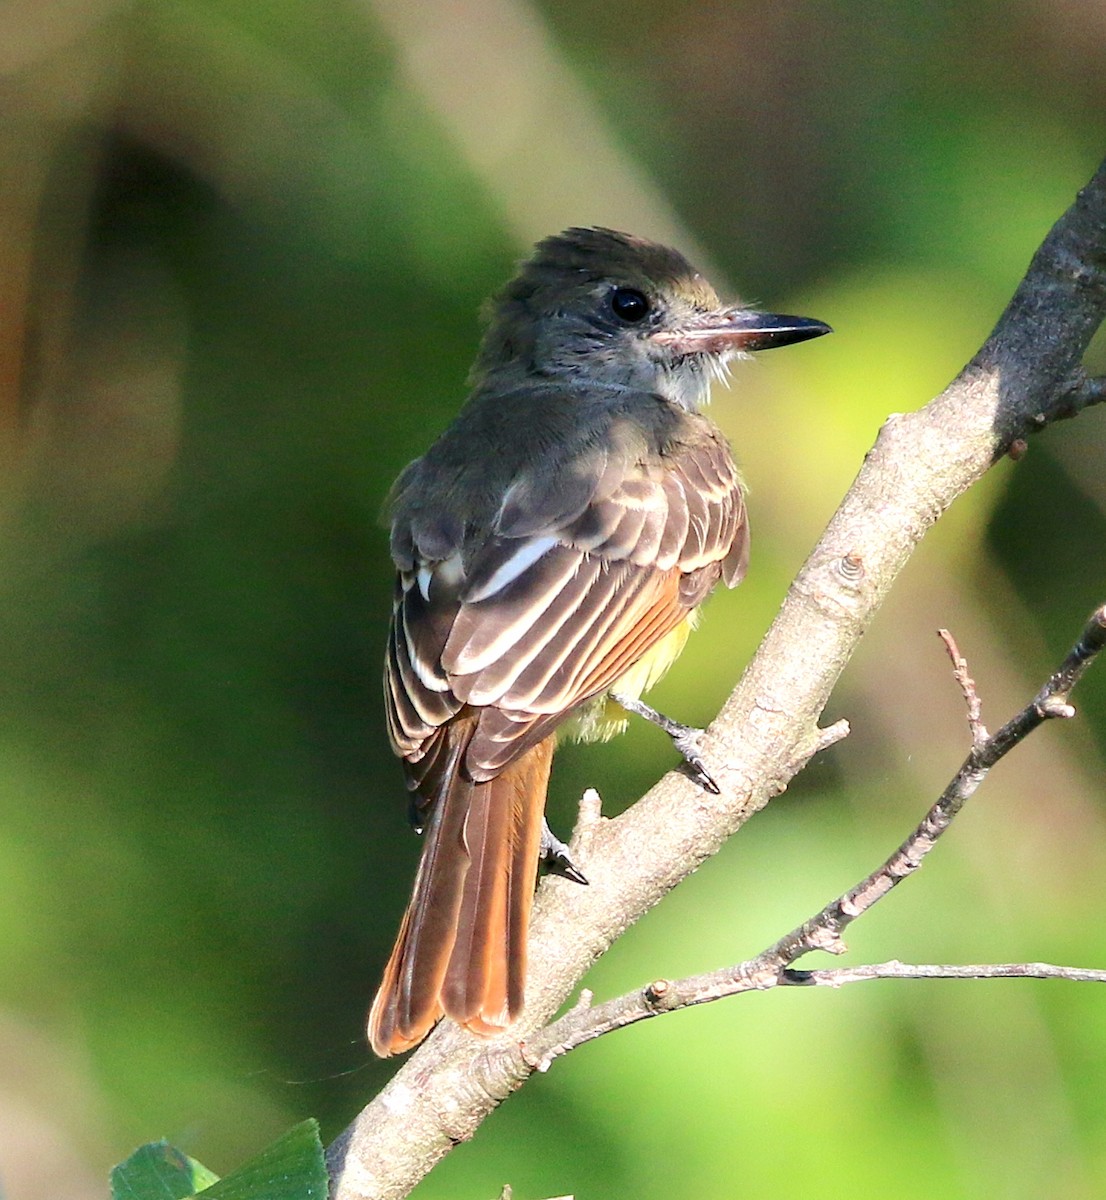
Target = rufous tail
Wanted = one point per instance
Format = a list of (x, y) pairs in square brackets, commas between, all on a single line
[(461, 949)]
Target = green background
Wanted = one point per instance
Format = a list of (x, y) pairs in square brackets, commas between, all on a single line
[(243, 248)]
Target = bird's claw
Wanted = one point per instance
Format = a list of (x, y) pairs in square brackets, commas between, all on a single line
[(554, 856), (685, 738), (687, 743)]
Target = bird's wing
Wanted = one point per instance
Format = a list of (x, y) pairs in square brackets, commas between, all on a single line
[(551, 612)]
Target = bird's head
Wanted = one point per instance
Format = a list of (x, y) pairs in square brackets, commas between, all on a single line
[(607, 308)]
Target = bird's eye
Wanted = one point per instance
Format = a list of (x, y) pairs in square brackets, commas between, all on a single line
[(629, 304)]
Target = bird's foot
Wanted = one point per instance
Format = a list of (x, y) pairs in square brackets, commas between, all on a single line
[(685, 738), (554, 856)]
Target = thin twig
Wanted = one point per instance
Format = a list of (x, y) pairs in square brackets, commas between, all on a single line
[(773, 967), (838, 976), (967, 685), (824, 931)]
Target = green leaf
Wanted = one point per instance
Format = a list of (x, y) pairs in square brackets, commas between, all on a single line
[(158, 1171), (292, 1168)]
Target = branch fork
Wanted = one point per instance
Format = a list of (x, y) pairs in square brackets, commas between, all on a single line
[(773, 967)]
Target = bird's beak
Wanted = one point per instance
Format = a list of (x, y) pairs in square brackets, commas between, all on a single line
[(738, 329)]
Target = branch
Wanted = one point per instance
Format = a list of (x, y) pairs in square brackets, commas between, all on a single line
[(585, 1024), (1026, 375), (839, 976), (774, 967)]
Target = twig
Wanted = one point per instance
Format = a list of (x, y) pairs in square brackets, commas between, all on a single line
[(823, 932), (967, 685), (837, 976), (773, 967)]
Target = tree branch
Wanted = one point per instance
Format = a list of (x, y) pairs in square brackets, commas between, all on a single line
[(774, 967), (1025, 376)]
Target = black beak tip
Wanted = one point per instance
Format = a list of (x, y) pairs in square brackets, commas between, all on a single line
[(786, 331), (818, 328)]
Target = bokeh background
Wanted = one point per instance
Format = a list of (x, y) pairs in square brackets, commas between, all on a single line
[(242, 250)]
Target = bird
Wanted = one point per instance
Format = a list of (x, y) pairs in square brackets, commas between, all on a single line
[(552, 548)]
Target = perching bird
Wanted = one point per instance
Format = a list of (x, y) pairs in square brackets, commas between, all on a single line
[(552, 548)]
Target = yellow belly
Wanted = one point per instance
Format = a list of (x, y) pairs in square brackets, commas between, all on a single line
[(600, 718)]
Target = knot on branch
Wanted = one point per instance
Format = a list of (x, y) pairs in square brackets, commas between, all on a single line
[(660, 995)]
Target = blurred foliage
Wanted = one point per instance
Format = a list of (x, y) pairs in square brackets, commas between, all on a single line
[(243, 251)]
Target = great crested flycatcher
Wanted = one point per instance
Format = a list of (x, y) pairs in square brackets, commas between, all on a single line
[(552, 547)]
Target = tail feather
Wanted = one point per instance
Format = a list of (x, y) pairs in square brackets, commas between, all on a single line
[(461, 948), (477, 964), (531, 783), (426, 934)]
